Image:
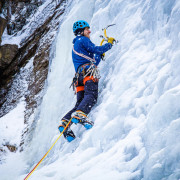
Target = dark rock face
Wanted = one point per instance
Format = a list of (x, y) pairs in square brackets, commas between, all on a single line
[(7, 53), (34, 49), (36, 46), (3, 23), (1, 5), (21, 9), (11, 148)]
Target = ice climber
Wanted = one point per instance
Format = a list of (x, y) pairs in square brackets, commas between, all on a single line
[(86, 57)]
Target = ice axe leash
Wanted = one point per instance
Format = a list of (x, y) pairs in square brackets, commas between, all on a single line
[(47, 152), (105, 37)]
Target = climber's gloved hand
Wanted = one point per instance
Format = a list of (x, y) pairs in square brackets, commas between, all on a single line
[(111, 40), (102, 56)]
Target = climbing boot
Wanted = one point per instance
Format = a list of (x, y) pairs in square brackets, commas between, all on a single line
[(68, 133), (81, 118)]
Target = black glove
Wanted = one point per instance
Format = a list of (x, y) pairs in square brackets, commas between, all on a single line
[(102, 56)]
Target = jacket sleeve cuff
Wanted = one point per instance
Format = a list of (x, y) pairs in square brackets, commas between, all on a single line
[(110, 45)]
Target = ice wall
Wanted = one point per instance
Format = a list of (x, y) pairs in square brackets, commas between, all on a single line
[(137, 117)]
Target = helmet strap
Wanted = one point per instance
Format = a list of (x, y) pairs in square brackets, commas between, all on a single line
[(82, 33), (79, 32)]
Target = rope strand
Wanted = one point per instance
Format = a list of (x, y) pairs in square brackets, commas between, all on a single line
[(47, 152)]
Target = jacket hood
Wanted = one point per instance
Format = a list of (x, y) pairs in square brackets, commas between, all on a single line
[(76, 38)]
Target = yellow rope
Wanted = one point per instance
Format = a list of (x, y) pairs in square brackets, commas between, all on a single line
[(47, 152)]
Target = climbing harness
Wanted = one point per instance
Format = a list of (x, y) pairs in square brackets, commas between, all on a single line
[(105, 38), (90, 72), (74, 83), (47, 152)]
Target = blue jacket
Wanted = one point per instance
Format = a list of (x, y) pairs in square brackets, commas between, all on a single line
[(84, 46)]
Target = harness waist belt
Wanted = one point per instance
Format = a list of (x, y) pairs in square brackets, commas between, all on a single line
[(82, 67)]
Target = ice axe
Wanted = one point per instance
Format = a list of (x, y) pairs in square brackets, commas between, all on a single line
[(105, 38)]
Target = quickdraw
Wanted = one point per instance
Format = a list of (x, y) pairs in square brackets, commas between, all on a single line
[(93, 71)]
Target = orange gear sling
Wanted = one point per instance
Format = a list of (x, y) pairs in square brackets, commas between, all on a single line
[(87, 78)]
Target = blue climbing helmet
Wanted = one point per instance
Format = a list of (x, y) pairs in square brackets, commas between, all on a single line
[(79, 26)]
